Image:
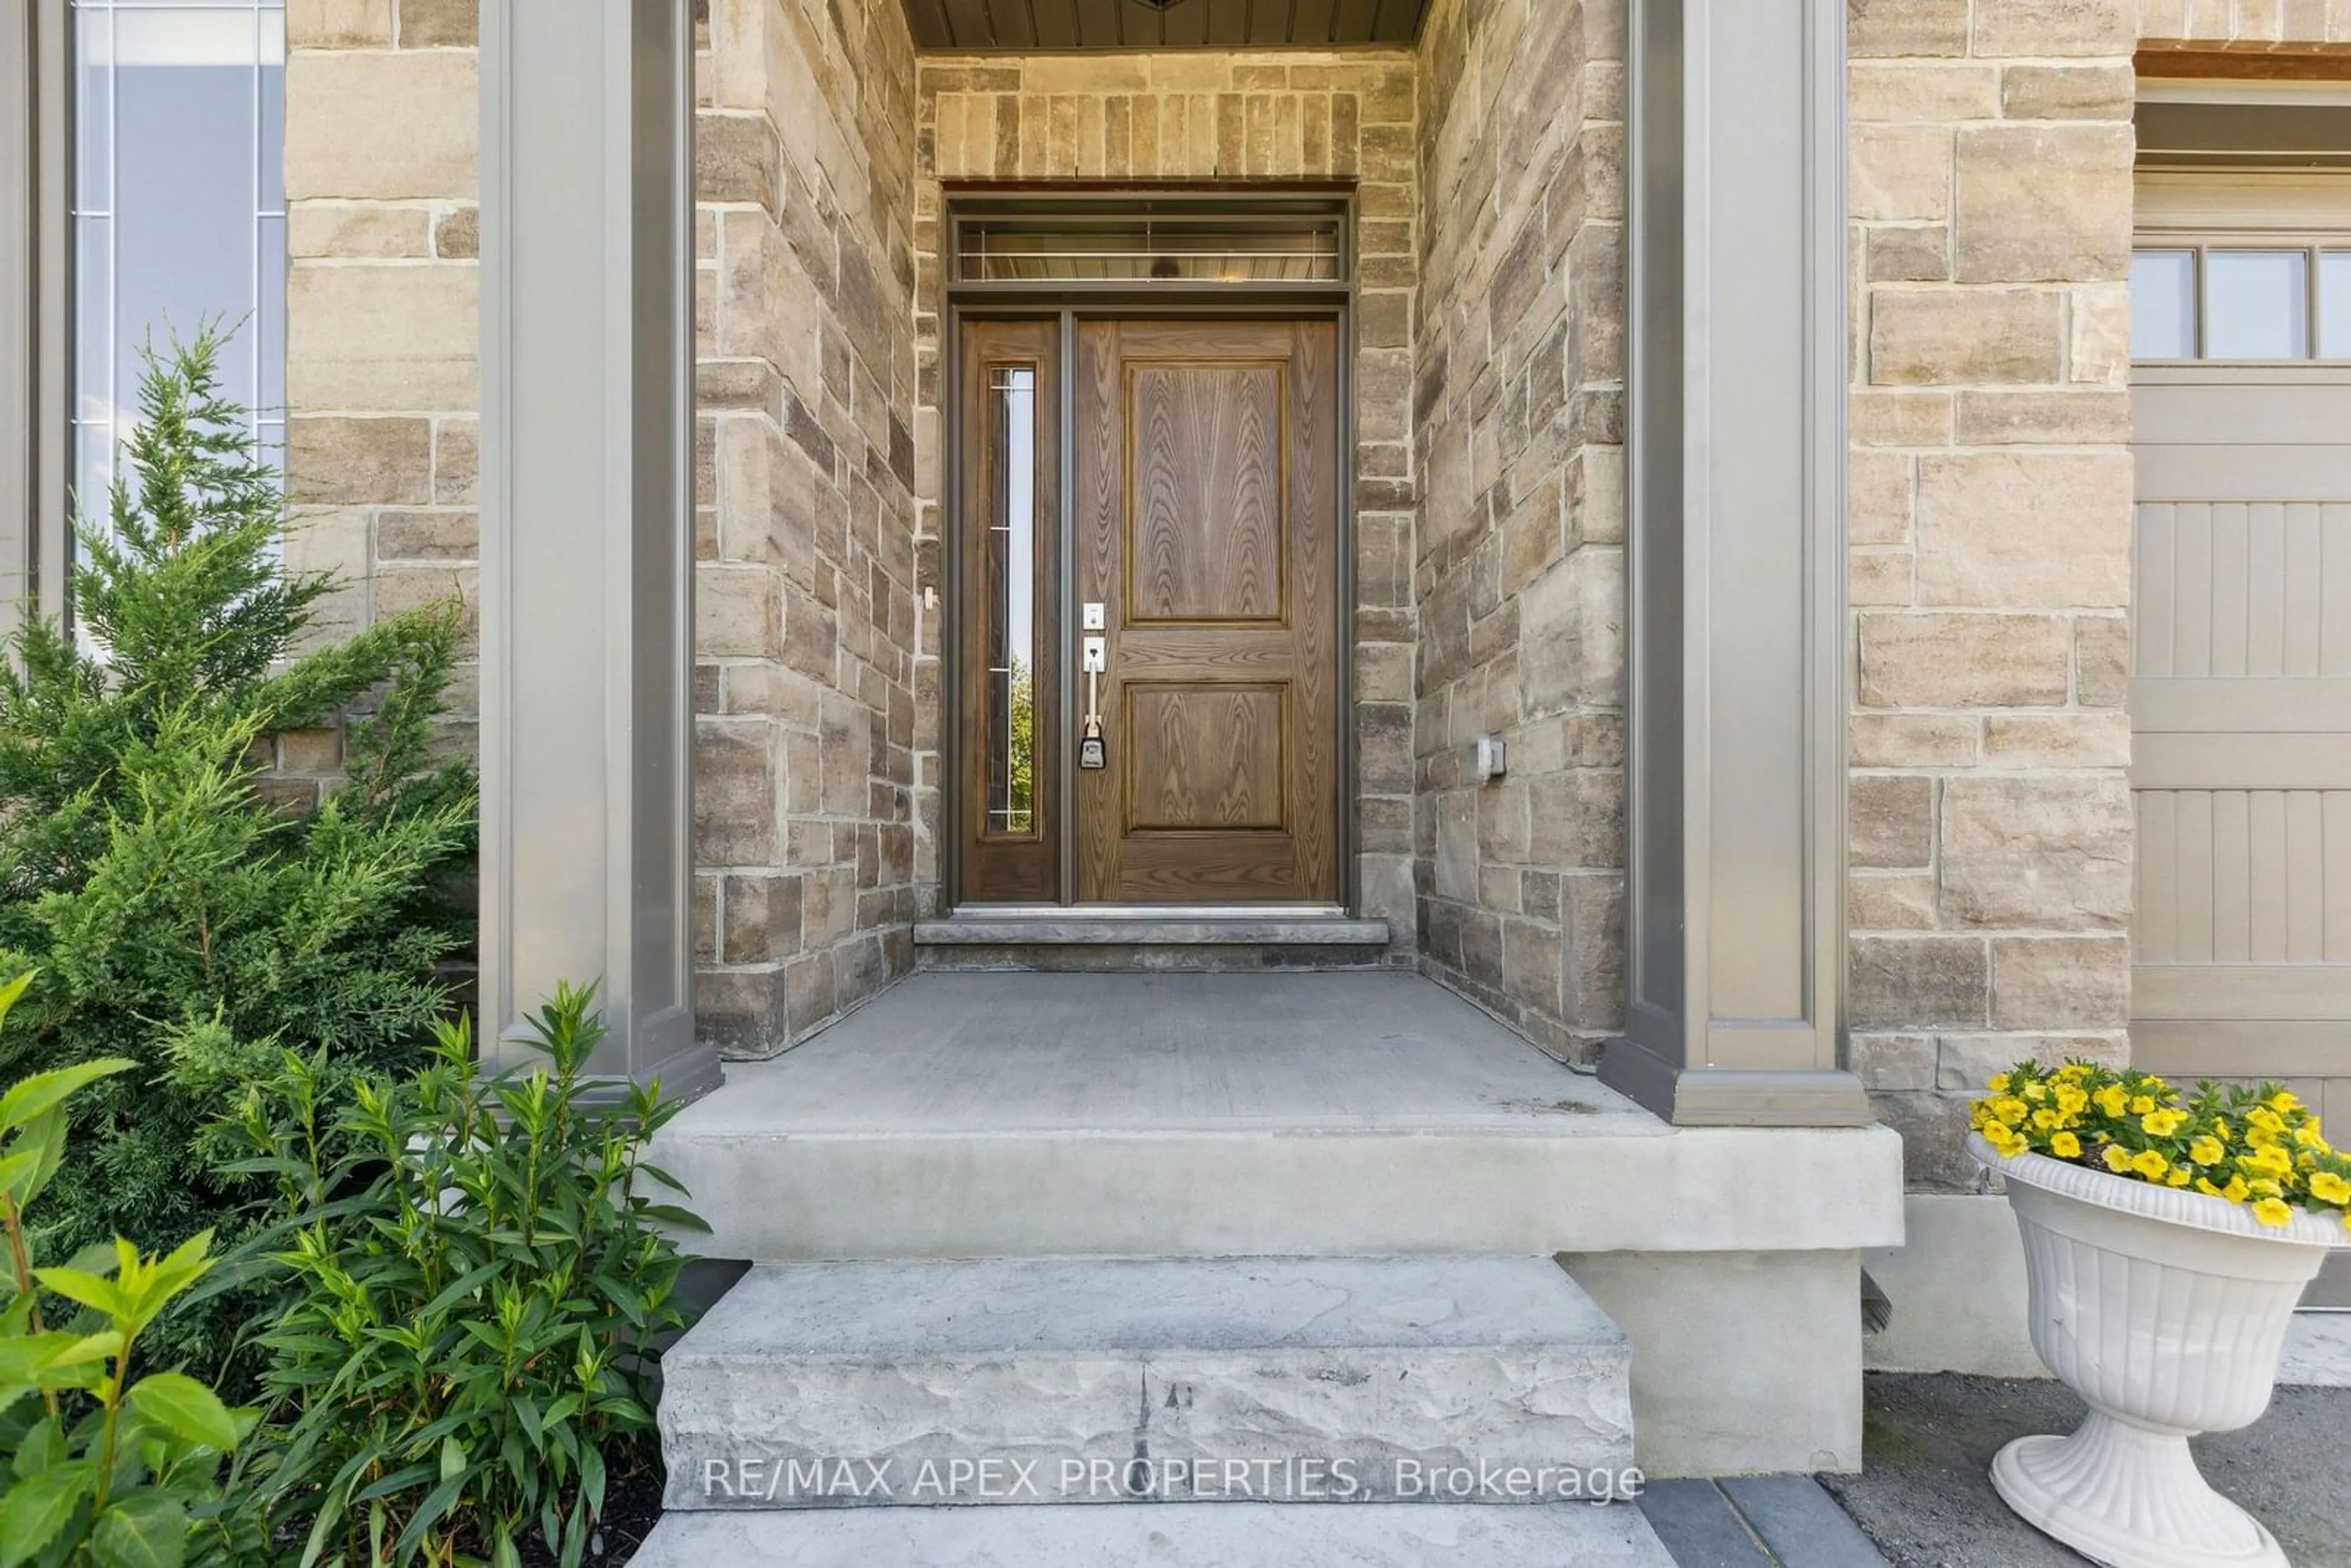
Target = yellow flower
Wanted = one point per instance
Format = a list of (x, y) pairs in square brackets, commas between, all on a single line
[(2236, 1191), (2266, 1119), (2000, 1082), (2207, 1151), (2178, 1176), (2262, 1186), (2161, 1123), (2065, 1146), (2284, 1102), (2111, 1099), (2149, 1164), (2270, 1159), (2307, 1136), (2328, 1188), (2075, 1069), (2117, 1158), (2071, 1099), (2272, 1211), (2035, 1093), (2009, 1109), (2045, 1119)]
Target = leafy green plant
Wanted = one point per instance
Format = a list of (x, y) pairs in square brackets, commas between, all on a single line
[(103, 1469), (183, 917), (481, 1279)]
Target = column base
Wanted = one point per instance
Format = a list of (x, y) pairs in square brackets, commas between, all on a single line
[(1726, 1097)]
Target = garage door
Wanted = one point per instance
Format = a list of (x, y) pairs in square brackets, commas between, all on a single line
[(2241, 697)]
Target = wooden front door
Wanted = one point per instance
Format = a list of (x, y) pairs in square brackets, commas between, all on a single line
[(1202, 542), (1207, 515)]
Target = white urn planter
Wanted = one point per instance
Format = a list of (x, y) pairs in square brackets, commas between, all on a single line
[(2165, 1310)]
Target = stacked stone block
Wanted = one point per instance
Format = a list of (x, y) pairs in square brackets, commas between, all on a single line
[(806, 610), (1519, 572), (381, 302), (1289, 115), (1991, 832)]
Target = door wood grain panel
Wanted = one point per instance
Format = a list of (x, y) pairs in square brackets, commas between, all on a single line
[(1205, 756), (1206, 517)]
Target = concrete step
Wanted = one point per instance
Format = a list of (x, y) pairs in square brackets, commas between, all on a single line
[(1175, 1535), (1129, 940), (1434, 1380)]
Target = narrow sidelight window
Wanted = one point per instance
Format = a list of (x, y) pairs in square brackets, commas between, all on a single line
[(1012, 602), (179, 207)]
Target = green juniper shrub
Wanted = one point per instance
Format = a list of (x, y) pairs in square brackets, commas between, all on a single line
[(102, 1470), (184, 920), (481, 1279)]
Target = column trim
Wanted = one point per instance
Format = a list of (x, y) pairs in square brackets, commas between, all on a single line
[(586, 508), (36, 308), (1737, 567)]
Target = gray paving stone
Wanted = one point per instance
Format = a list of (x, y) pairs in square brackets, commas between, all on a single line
[(1173, 1535), (1697, 1526), (1092, 1380), (1801, 1524)]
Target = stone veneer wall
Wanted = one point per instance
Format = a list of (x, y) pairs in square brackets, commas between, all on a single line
[(1993, 830), (1519, 569), (380, 309), (1291, 114), (804, 679), (806, 615), (1990, 517)]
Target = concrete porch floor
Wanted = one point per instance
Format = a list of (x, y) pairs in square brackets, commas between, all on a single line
[(1225, 1114), (1006, 1052)]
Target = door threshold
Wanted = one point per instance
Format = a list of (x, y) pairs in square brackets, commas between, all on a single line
[(1129, 926), (1056, 912)]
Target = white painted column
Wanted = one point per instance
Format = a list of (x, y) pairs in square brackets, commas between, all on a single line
[(587, 523), (1737, 430)]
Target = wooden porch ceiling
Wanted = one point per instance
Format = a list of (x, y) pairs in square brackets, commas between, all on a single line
[(1143, 24)]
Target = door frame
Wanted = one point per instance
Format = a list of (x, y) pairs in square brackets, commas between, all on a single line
[(1244, 205)]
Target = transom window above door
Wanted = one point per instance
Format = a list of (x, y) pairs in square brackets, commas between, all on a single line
[(2242, 301), (1196, 250), (1200, 239)]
